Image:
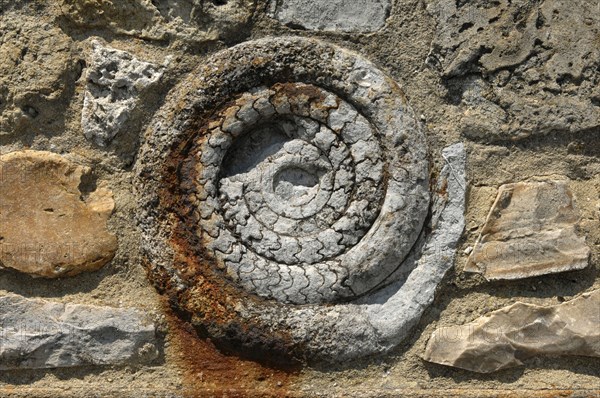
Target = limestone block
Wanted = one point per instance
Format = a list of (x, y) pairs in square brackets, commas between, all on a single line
[(38, 70), (336, 15), (530, 231), (192, 22), (536, 63), (48, 226), (43, 334), (115, 81), (508, 336)]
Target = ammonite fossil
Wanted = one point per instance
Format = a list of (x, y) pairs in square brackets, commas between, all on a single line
[(282, 186)]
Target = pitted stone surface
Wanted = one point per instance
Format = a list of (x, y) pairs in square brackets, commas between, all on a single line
[(288, 171), (114, 82)]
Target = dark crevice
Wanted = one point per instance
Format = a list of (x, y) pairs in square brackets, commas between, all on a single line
[(81, 65), (295, 26), (465, 26), (540, 21), (87, 185)]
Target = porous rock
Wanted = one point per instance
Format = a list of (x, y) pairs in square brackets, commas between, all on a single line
[(192, 22), (506, 337), (38, 68), (48, 226), (336, 15), (530, 231), (503, 34), (42, 334), (115, 80), (536, 65)]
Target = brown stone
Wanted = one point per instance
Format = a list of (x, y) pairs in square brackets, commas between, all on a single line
[(529, 231), (48, 226), (505, 337)]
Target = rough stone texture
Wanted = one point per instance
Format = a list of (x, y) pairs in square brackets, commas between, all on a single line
[(506, 61), (506, 337), (335, 15), (43, 334), (51, 223), (188, 21), (115, 80), (395, 310), (300, 185), (38, 68), (406, 48), (295, 140), (530, 231)]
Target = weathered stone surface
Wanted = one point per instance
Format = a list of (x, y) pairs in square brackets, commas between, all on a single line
[(43, 334), (38, 69), (530, 231), (301, 194), (335, 15), (506, 337), (50, 225), (284, 190), (115, 80), (503, 34), (519, 68), (181, 20), (396, 309)]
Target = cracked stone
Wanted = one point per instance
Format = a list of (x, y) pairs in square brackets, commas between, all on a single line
[(530, 231), (506, 337), (286, 179), (50, 224)]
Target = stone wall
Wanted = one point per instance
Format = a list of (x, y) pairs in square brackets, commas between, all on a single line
[(299, 198)]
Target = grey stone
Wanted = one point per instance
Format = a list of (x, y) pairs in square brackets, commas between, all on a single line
[(362, 289), (305, 187), (535, 65), (508, 336), (530, 231), (42, 334), (334, 15), (115, 80), (395, 310)]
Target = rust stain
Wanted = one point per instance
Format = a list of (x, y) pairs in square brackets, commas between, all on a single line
[(217, 351), (259, 61), (294, 90), (443, 191), (206, 371)]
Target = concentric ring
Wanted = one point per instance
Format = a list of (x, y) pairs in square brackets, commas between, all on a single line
[(282, 172)]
